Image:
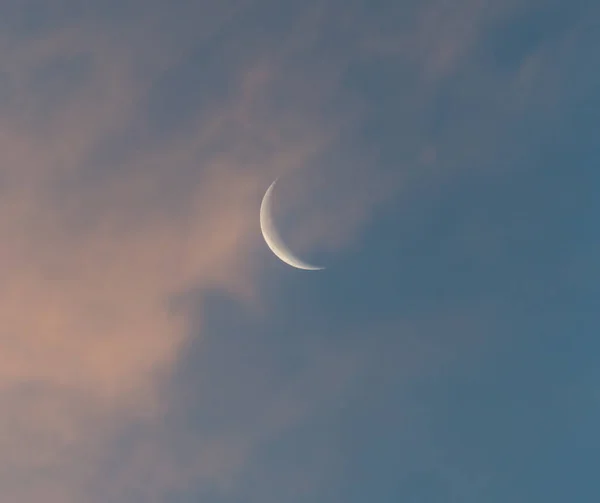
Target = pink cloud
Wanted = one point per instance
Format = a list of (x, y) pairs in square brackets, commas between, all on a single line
[(91, 263), (89, 268), (93, 254)]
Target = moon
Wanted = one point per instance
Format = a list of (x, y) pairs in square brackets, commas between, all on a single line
[(272, 238)]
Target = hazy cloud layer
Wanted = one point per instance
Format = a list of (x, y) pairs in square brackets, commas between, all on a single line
[(105, 222), (135, 144)]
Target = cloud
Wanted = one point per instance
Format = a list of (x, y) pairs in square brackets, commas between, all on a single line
[(111, 210), (105, 222), (95, 251)]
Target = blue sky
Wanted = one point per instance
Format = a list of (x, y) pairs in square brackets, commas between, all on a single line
[(439, 158)]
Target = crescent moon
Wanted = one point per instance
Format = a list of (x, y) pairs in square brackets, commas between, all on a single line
[(272, 238)]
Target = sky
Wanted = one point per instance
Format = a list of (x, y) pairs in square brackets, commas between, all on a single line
[(439, 158)]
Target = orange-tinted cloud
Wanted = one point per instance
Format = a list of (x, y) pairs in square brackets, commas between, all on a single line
[(94, 253), (104, 222)]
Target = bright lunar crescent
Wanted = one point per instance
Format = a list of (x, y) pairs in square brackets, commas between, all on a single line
[(272, 237)]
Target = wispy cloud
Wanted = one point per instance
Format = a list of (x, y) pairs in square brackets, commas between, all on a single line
[(107, 216), (95, 250)]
